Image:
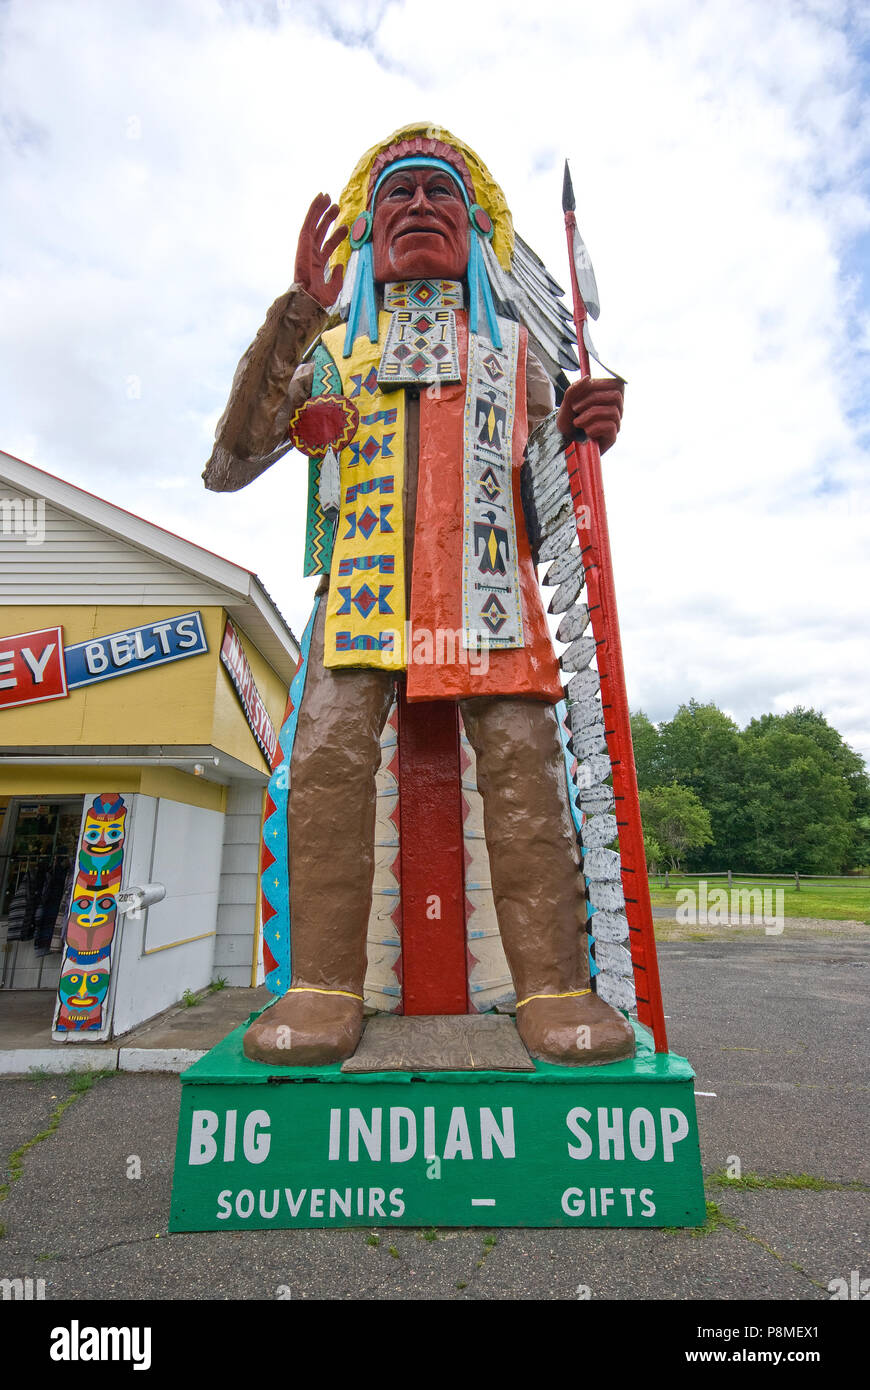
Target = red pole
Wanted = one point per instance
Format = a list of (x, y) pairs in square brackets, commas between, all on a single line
[(587, 490), (434, 955)]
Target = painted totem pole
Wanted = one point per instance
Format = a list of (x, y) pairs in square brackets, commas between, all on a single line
[(90, 930), (420, 346)]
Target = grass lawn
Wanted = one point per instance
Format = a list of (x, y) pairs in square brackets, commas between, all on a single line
[(841, 899)]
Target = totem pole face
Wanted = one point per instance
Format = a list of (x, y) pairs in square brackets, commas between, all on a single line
[(420, 227), (82, 988), (91, 918), (103, 833)]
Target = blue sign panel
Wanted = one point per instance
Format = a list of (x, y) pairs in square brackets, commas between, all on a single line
[(135, 649)]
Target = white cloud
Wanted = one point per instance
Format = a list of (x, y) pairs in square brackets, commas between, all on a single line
[(157, 161)]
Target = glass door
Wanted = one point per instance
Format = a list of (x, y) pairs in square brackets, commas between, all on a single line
[(37, 871)]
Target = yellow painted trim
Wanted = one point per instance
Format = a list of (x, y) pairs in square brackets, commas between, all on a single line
[(305, 989), (73, 779), (66, 781), (571, 994), (170, 944), (174, 785)]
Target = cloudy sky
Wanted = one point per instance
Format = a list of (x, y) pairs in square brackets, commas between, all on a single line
[(157, 157)]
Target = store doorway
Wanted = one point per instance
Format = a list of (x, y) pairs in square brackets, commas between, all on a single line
[(38, 845)]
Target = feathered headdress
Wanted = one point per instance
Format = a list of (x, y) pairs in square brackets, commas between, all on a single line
[(504, 274)]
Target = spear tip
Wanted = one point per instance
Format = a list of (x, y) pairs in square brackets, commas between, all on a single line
[(568, 203)]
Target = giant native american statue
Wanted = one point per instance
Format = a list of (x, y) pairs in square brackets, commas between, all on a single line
[(420, 345)]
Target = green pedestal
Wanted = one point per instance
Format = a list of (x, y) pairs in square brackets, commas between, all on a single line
[(560, 1146)]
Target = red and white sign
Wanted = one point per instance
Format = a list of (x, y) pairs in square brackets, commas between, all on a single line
[(242, 677), (32, 667)]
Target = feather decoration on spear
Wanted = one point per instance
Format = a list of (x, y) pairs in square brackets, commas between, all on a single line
[(564, 502), (584, 469)]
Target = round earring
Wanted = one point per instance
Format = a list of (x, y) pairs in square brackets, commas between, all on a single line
[(480, 220), (361, 230)]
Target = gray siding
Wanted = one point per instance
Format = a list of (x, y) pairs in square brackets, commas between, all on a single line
[(237, 904)]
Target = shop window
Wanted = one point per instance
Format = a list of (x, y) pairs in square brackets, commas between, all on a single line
[(38, 869)]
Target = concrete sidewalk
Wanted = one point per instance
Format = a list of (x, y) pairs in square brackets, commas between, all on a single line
[(172, 1041), (774, 1029), (178, 1037)]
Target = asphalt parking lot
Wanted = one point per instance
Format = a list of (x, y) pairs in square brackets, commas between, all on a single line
[(775, 1029)]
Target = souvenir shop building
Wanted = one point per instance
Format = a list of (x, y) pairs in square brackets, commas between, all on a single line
[(142, 684)]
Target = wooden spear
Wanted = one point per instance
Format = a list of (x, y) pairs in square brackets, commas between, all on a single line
[(587, 491)]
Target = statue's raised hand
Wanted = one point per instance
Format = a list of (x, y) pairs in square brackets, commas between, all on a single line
[(315, 249), (592, 406)]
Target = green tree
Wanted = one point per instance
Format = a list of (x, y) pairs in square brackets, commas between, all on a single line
[(652, 853), (806, 794), (859, 856), (785, 793), (700, 749), (645, 738), (674, 818)]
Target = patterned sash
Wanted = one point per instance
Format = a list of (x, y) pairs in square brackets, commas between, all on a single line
[(365, 616)]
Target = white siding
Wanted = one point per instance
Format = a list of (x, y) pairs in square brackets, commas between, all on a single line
[(145, 985), (80, 563)]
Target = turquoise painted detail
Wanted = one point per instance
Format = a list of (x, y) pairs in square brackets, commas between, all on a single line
[(362, 303), (576, 816), (357, 242), (362, 300), (423, 161), (561, 716), (480, 293), (320, 528), (327, 377), (276, 879), (477, 207)]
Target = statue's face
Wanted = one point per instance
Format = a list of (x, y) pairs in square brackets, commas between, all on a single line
[(420, 227)]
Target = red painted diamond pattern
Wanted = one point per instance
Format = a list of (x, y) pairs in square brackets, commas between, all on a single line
[(365, 600)]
